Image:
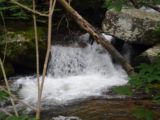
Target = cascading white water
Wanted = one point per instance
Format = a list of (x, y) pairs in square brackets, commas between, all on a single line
[(73, 73)]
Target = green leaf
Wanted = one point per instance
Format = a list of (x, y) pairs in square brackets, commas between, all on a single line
[(23, 117), (12, 118), (143, 113), (157, 30), (2, 115), (21, 15), (2, 1), (3, 96), (117, 5), (155, 2), (156, 99), (123, 90)]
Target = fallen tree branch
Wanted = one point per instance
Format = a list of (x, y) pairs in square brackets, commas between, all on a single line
[(29, 9), (97, 35), (154, 7)]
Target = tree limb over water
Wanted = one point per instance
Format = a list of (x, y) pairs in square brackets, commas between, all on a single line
[(97, 36)]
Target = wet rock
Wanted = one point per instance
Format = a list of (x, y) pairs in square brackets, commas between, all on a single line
[(149, 55), (117, 109), (132, 25), (20, 47)]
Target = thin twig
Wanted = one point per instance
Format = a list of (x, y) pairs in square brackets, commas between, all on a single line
[(29, 9), (6, 112), (49, 45), (17, 99), (51, 9), (37, 59), (5, 36), (8, 87), (60, 21)]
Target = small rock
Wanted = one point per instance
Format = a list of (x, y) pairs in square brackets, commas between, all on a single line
[(149, 55)]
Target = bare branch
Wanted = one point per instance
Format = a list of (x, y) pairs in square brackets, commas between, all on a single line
[(16, 99), (53, 6), (37, 59), (29, 9), (8, 87), (6, 112), (51, 9), (5, 36)]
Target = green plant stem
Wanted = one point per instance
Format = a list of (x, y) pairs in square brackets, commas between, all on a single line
[(8, 87)]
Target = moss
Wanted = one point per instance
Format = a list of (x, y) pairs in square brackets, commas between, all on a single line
[(29, 33), (21, 48)]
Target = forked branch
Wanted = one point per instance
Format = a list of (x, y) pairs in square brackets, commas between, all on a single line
[(29, 9)]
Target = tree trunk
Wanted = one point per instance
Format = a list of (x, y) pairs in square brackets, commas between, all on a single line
[(97, 36)]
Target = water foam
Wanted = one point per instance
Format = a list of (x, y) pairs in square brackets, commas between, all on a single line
[(73, 73), (66, 118)]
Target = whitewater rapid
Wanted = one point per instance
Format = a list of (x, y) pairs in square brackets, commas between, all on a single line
[(73, 73)]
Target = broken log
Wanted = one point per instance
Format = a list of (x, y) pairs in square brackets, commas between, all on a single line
[(97, 36)]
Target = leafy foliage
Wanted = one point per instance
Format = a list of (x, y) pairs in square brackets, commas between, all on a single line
[(11, 10), (147, 79), (123, 90), (157, 99), (143, 113), (3, 96), (157, 30), (148, 74), (118, 4), (23, 117)]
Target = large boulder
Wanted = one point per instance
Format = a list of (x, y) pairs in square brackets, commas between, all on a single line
[(19, 49), (132, 25)]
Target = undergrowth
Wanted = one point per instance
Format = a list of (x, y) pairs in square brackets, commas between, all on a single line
[(147, 80)]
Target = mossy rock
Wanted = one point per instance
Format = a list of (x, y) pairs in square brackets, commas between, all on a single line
[(21, 50)]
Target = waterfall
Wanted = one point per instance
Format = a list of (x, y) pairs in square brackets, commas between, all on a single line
[(73, 73)]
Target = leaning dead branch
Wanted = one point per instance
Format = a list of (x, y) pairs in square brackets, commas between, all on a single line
[(97, 35)]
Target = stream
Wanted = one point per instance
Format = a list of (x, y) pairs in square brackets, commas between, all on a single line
[(77, 86)]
